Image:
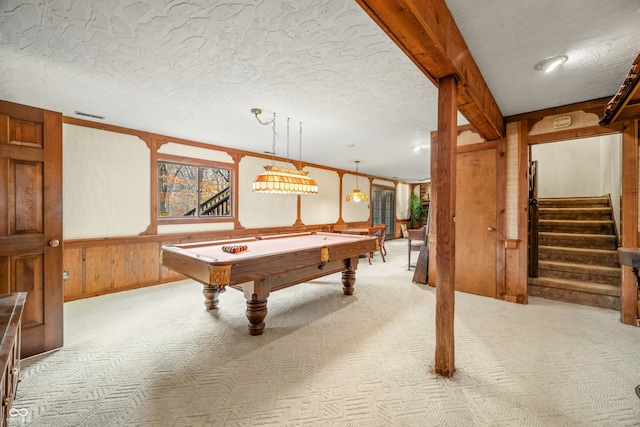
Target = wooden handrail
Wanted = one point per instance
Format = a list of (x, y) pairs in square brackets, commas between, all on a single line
[(219, 202), (533, 219)]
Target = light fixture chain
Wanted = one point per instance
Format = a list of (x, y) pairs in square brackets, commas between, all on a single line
[(357, 161), (273, 144), (300, 147), (282, 180), (288, 120)]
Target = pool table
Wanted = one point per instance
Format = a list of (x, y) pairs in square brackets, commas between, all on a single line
[(269, 263)]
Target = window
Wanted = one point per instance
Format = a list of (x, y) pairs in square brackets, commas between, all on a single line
[(186, 190)]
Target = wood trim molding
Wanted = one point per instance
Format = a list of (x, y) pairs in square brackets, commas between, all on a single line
[(521, 290), (191, 236), (153, 168), (501, 222), (596, 106), (563, 135), (511, 243), (476, 147), (105, 126)]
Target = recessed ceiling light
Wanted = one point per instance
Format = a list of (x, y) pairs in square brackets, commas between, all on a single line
[(549, 64)]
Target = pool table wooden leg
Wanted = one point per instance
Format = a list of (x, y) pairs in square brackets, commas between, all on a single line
[(349, 276), (211, 294), (348, 280), (256, 313)]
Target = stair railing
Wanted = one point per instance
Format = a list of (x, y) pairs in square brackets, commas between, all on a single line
[(533, 218), (615, 225), (217, 205)]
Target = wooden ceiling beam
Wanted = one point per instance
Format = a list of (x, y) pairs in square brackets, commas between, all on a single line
[(428, 35)]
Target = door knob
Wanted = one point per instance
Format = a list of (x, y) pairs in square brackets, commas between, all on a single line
[(491, 229), (54, 243)]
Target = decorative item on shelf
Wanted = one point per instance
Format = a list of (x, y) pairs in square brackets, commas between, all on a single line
[(280, 180), (356, 195)]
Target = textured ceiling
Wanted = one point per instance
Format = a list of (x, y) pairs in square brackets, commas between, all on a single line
[(194, 69)]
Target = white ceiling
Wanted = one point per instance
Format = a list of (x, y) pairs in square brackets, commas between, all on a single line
[(194, 69)]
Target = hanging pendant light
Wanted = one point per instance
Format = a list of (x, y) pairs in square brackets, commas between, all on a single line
[(279, 180), (356, 195)]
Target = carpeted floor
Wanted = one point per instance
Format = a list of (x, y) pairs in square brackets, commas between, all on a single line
[(156, 357)]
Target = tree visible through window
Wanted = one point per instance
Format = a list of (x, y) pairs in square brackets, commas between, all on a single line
[(193, 191)]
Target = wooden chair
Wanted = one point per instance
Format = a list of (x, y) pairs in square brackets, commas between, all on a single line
[(417, 238), (380, 231)]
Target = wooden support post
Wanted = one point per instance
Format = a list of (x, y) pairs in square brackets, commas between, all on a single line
[(445, 182), (432, 237), (629, 290), (521, 288)]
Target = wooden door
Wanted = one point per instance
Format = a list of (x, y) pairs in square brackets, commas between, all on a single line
[(31, 220), (475, 220)]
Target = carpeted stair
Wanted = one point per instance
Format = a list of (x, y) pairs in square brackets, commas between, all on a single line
[(577, 255)]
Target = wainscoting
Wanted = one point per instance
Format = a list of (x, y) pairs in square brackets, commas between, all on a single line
[(101, 266)]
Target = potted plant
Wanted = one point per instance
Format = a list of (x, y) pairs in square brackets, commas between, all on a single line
[(417, 210)]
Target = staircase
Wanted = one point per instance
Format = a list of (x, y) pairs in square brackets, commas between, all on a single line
[(578, 261)]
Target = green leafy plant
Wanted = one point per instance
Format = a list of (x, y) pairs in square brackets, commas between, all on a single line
[(417, 209)]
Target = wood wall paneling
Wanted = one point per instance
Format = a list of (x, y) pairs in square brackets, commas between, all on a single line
[(136, 263), (100, 266), (513, 270), (74, 265)]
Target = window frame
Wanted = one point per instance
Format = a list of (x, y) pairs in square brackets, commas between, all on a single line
[(197, 163)]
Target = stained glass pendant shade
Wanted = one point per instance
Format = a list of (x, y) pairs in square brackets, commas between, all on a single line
[(356, 195), (283, 180), (280, 180)]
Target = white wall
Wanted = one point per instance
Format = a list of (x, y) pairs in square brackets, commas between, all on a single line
[(324, 207), (611, 171), (403, 210), (260, 209), (351, 211), (106, 191)]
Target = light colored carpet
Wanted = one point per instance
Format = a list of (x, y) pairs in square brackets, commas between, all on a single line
[(156, 357)]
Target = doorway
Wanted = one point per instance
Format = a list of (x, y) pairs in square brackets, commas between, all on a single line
[(383, 209), (575, 199)]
